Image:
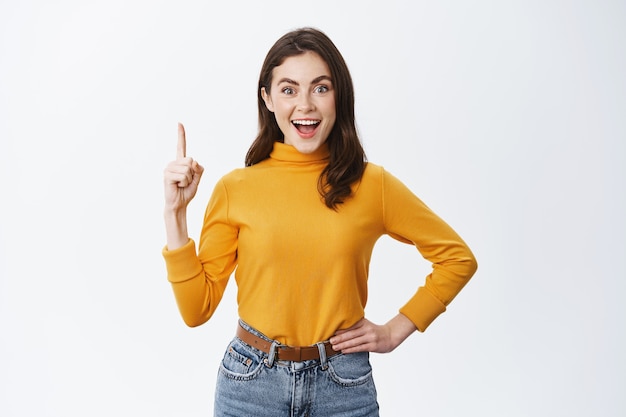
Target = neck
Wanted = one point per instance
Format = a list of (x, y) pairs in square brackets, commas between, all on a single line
[(284, 152)]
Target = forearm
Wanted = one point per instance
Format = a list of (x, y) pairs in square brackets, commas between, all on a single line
[(400, 328), (197, 296), (176, 228)]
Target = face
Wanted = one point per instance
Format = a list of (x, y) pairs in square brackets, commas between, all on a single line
[(303, 100)]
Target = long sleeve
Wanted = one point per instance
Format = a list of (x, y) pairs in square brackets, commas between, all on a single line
[(199, 280), (409, 220)]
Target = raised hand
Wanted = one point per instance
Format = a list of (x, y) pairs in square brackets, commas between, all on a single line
[(181, 177)]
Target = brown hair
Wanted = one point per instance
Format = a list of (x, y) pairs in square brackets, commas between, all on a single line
[(347, 157)]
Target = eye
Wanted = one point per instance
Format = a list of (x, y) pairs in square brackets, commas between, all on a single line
[(321, 89), (288, 90)]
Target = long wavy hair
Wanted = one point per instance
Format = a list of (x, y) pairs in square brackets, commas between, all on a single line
[(347, 158)]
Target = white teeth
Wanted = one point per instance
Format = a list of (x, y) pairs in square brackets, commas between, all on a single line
[(305, 122)]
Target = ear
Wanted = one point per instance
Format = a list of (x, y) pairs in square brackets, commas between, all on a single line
[(267, 99)]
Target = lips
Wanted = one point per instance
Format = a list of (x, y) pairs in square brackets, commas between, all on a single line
[(306, 127)]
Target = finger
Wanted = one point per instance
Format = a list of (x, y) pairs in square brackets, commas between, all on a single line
[(181, 151), (359, 348), (180, 178), (198, 170), (350, 345), (345, 339), (196, 167), (179, 172)]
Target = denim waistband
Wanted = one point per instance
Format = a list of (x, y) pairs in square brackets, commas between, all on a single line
[(320, 351)]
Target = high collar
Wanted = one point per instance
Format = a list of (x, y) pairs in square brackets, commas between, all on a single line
[(284, 152)]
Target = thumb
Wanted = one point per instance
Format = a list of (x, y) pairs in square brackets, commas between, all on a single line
[(197, 172)]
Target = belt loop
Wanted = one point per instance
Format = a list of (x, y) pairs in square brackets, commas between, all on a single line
[(323, 360), (272, 354)]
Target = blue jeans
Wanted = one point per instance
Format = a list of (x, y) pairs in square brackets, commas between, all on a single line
[(251, 383)]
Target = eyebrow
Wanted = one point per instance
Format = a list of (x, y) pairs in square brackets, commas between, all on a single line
[(315, 80)]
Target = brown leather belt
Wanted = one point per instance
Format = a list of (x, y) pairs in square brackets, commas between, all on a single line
[(285, 353)]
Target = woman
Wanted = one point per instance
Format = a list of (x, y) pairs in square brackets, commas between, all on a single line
[(299, 223)]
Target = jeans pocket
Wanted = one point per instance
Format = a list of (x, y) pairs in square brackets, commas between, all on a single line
[(350, 369), (240, 362)]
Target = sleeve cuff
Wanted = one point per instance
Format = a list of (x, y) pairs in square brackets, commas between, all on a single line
[(423, 308), (182, 263)]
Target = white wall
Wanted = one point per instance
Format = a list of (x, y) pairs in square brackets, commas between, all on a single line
[(507, 118)]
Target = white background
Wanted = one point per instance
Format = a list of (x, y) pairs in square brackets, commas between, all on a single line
[(507, 118)]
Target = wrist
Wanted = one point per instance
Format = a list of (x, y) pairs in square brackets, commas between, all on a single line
[(175, 213), (401, 328), (176, 228)]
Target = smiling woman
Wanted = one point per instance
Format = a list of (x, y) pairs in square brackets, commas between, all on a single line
[(299, 224), (347, 159), (302, 100)]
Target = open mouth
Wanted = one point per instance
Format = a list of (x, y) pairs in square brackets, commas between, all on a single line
[(306, 126)]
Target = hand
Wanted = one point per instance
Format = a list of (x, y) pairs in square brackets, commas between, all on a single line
[(181, 176), (365, 336)]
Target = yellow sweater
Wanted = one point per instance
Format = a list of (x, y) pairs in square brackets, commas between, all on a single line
[(302, 268)]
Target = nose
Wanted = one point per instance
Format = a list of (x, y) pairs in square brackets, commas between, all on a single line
[(305, 103)]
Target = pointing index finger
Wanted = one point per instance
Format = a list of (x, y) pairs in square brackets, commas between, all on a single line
[(181, 151)]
